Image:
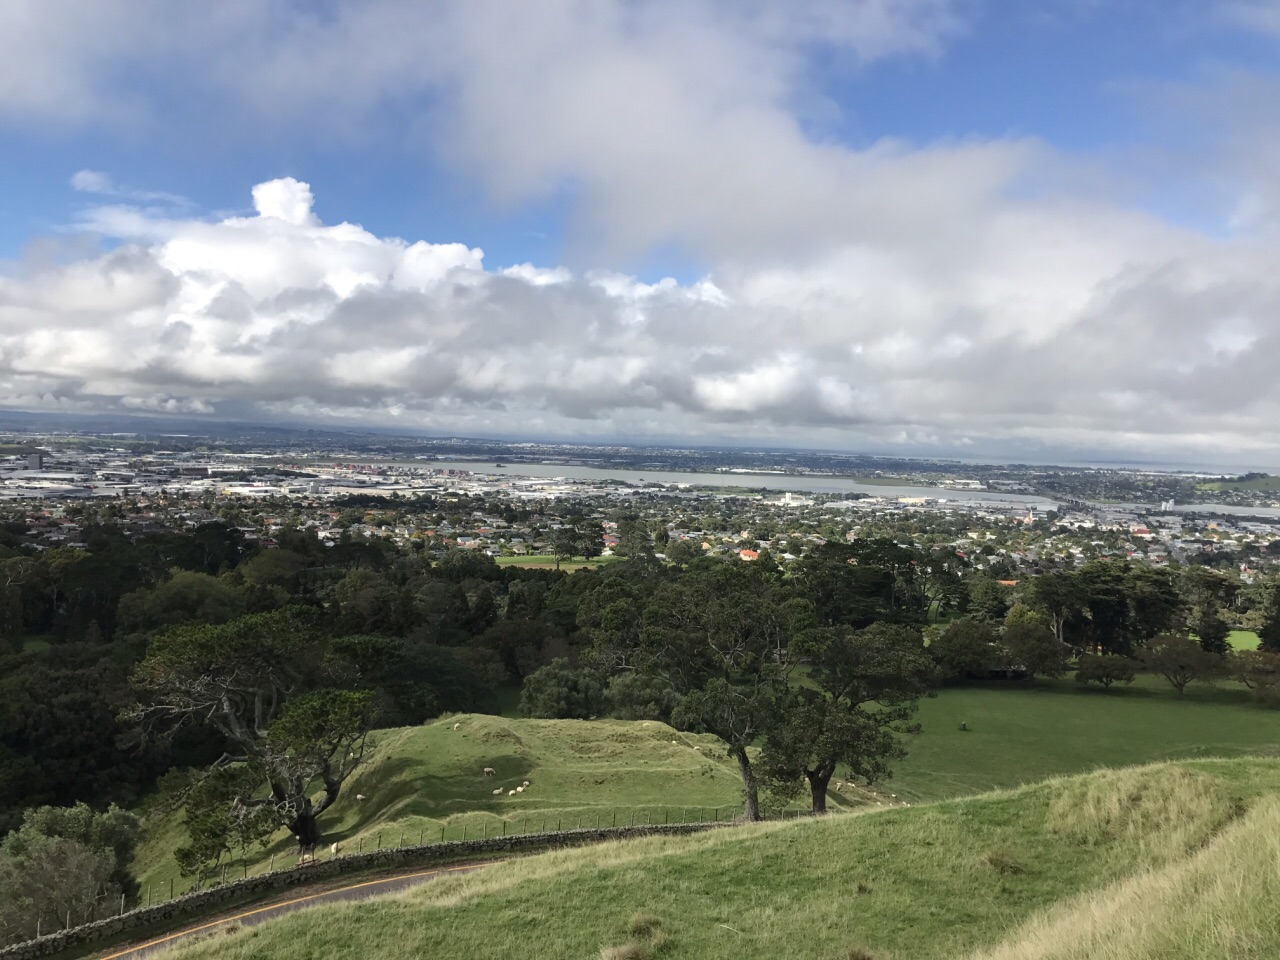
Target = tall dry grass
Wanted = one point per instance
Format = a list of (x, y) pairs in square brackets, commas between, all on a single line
[(1221, 902)]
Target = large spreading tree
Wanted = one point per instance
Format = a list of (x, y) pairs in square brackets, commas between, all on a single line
[(864, 684), (718, 638), (294, 727)]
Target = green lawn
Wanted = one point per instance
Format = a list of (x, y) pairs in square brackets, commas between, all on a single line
[(1243, 640), (546, 561), (1158, 862), (1025, 734), (1266, 483)]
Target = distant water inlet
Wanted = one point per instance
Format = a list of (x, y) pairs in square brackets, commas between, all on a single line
[(794, 483)]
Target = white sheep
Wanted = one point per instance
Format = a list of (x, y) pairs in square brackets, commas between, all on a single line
[(511, 793), (359, 796), (498, 792), (333, 849), (489, 771), (674, 742), (519, 789), (456, 726), (525, 784)]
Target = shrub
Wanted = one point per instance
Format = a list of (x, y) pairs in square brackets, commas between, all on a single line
[(1105, 669), (1180, 660), (560, 691), (631, 696), (1259, 670)]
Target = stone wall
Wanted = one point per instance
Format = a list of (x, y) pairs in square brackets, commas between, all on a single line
[(165, 916)]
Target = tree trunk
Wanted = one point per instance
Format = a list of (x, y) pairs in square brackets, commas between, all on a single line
[(306, 831), (818, 780), (750, 790)]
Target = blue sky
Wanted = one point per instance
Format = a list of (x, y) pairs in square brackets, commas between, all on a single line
[(920, 226)]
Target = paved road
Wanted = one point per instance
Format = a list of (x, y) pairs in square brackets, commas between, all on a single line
[(248, 918)]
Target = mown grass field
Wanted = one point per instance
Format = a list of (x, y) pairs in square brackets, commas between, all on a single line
[(1157, 862), (1243, 640), (547, 562), (1021, 735), (1266, 483)]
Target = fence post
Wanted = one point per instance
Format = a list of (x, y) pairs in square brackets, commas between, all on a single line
[(421, 834), (504, 828), (272, 865), (464, 833), (442, 833), (170, 888), (379, 839)]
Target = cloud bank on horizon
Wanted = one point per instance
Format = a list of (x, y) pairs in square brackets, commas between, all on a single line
[(997, 294)]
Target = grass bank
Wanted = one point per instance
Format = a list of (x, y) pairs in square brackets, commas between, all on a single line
[(428, 782), (984, 874)]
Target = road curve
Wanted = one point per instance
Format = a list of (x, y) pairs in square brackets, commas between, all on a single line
[(249, 918)]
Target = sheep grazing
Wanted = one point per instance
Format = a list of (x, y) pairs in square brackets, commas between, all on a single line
[(498, 792), (333, 849), (519, 789), (511, 793), (456, 726), (525, 784), (489, 771), (359, 796)]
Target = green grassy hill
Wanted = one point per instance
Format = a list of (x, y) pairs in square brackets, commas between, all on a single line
[(1166, 861), (418, 781)]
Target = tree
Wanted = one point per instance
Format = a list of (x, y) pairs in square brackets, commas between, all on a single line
[(1269, 627), (1211, 630), (261, 682), (966, 649), (718, 638), (1032, 647), (1105, 669), (867, 682), (560, 691), (634, 696), (564, 544), (1060, 597), (186, 596), (1180, 660), (988, 600), (65, 864), (1259, 670)]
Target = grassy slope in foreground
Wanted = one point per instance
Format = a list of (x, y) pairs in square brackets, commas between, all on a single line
[(988, 872), (418, 780)]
